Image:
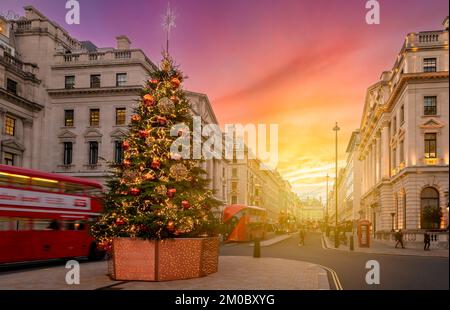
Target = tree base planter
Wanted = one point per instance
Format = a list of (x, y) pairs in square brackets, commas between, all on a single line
[(164, 260)]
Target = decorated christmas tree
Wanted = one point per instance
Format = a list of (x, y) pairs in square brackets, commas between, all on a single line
[(155, 193)]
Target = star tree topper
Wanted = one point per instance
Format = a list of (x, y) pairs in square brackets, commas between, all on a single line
[(168, 24)]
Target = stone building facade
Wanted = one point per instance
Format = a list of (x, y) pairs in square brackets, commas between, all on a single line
[(405, 138)]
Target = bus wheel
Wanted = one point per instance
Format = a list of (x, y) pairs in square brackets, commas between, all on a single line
[(96, 254)]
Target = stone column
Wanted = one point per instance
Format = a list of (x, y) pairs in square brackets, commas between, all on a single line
[(385, 151), (378, 157)]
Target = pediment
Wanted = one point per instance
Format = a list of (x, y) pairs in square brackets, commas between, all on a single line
[(118, 133), (92, 133), (67, 134), (13, 144), (432, 123)]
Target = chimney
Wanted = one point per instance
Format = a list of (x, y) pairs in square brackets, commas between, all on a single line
[(123, 43)]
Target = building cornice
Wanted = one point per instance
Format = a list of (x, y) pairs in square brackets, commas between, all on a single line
[(20, 101), (103, 91)]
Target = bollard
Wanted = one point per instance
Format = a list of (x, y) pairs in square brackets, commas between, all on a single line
[(257, 248), (352, 247)]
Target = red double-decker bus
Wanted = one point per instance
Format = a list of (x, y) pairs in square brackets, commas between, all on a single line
[(244, 223), (46, 216)]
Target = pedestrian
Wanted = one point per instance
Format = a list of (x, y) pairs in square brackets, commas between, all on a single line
[(426, 241), (301, 235), (399, 239)]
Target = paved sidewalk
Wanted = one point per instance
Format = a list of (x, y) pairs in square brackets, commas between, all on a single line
[(382, 248), (272, 241), (235, 273)]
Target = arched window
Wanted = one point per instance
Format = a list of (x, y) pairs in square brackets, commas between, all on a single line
[(431, 213)]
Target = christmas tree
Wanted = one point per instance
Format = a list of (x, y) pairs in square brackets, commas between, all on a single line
[(153, 193)]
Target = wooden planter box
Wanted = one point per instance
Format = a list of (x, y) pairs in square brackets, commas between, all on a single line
[(164, 260)]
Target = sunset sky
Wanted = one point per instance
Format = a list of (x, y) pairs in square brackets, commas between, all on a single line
[(302, 64)]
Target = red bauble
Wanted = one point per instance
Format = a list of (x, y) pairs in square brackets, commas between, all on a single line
[(143, 133), (120, 221), (161, 120), (156, 164), (171, 192), (175, 82), (154, 81), (135, 118), (135, 191), (126, 145), (185, 204), (174, 99), (148, 100), (126, 163)]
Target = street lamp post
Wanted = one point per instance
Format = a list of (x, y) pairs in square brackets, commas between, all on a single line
[(336, 237)]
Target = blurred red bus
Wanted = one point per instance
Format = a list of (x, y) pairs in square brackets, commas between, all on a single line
[(244, 223), (46, 216)]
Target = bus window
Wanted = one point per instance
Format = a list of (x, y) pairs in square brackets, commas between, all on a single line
[(53, 225), (41, 224), (5, 224), (41, 184), (22, 224), (93, 192), (72, 188), (74, 225)]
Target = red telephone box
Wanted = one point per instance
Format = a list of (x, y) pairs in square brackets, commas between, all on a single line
[(364, 234)]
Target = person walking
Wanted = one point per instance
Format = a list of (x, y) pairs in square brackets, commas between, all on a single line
[(426, 241), (301, 235), (399, 239)]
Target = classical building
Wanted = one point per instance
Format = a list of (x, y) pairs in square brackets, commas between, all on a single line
[(21, 104), (348, 185), (65, 104), (405, 138), (312, 210)]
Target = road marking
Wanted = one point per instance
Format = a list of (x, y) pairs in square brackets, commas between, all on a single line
[(334, 276), (333, 273)]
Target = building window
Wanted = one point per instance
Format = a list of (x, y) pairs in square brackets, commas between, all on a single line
[(118, 152), (234, 172), (430, 105), (402, 114), (430, 145), (121, 79), (234, 186), (94, 117), (402, 151), (394, 125), (10, 126), (431, 212), (68, 151), (93, 153), (233, 200), (11, 86), (69, 82), (120, 116), (9, 159), (223, 172), (68, 118), (95, 81), (429, 65)]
